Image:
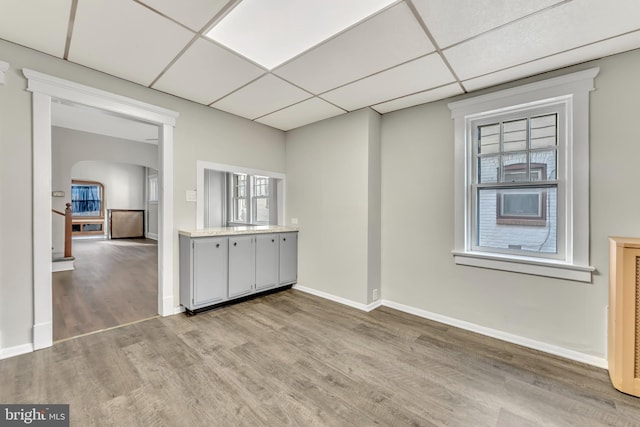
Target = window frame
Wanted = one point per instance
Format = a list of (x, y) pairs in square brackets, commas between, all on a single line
[(102, 199), (251, 198), (570, 92)]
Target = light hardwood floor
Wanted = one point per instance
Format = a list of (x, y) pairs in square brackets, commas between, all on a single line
[(115, 282), (294, 359)]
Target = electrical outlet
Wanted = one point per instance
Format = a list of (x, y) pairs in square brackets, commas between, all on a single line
[(374, 294), (294, 221)]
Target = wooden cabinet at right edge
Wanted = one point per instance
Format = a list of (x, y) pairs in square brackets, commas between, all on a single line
[(624, 314)]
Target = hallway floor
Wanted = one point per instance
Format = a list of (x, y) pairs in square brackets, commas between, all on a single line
[(115, 282)]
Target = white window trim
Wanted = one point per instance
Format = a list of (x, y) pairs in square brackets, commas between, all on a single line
[(575, 87), (201, 165)]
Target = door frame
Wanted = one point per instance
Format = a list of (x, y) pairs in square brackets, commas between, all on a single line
[(44, 88)]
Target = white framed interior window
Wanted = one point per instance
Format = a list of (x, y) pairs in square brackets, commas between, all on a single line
[(522, 178)]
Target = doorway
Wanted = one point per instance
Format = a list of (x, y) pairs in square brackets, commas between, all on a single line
[(44, 89)]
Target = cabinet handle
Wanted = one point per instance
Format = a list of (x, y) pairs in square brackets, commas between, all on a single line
[(217, 245), (284, 239), (235, 243), (273, 240)]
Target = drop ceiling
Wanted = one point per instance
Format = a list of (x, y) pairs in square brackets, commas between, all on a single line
[(400, 54)]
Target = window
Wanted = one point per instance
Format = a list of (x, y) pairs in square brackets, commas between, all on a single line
[(521, 178), (153, 188), (250, 199), (86, 199)]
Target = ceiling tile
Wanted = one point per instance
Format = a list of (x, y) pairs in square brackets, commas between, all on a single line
[(363, 50), (419, 98), (587, 53), (207, 72), (272, 32), (555, 30), (263, 96), (451, 22), (195, 14), (38, 24), (125, 39), (309, 111), (416, 76)]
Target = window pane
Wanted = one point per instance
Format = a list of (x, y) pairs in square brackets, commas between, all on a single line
[(522, 219), (515, 135), (544, 131), (262, 210), (514, 167), (489, 139), (488, 169), (86, 200), (240, 210), (240, 185), (545, 162), (261, 186)]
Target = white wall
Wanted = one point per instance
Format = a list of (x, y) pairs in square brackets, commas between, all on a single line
[(201, 133), (328, 191), (417, 266), (124, 184), (80, 155)]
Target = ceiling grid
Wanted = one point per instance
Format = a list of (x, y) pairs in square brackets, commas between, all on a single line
[(392, 55)]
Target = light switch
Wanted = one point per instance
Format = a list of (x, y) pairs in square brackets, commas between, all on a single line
[(191, 196)]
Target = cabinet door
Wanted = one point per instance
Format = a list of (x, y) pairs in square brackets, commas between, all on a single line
[(266, 261), (209, 270), (242, 270), (288, 258)]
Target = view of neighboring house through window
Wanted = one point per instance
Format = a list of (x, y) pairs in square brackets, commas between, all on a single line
[(522, 178), (516, 188)]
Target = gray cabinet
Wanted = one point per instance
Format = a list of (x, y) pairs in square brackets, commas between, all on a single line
[(267, 261), (206, 276), (242, 272), (288, 258), (214, 270)]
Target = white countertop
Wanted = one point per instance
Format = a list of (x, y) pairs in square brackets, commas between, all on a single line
[(231, 231)]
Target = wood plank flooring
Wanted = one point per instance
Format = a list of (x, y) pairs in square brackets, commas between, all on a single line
[(295, 359), (115, 282)]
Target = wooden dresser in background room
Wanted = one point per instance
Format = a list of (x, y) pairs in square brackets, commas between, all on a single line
[(624, 314)]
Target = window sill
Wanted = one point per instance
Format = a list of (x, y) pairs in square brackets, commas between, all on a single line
[(526, 265)]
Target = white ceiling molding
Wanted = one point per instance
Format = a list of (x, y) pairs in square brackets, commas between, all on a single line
[(4, 67)]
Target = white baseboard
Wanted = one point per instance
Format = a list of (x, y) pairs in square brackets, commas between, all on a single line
[(17, 350), (482, 330), (179, 309), (501, 335), (62, 266), (345, 301), (42, 335)]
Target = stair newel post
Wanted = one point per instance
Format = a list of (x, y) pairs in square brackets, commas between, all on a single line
[(67, 230)]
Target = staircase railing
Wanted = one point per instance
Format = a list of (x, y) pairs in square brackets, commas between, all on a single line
[(67, 214)]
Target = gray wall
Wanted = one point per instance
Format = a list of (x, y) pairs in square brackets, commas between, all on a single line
[(201, 133), (331, 183), (417, 266), (331, 178)]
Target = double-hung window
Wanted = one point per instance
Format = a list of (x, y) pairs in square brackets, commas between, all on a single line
[(250, 199), (521, 178)]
